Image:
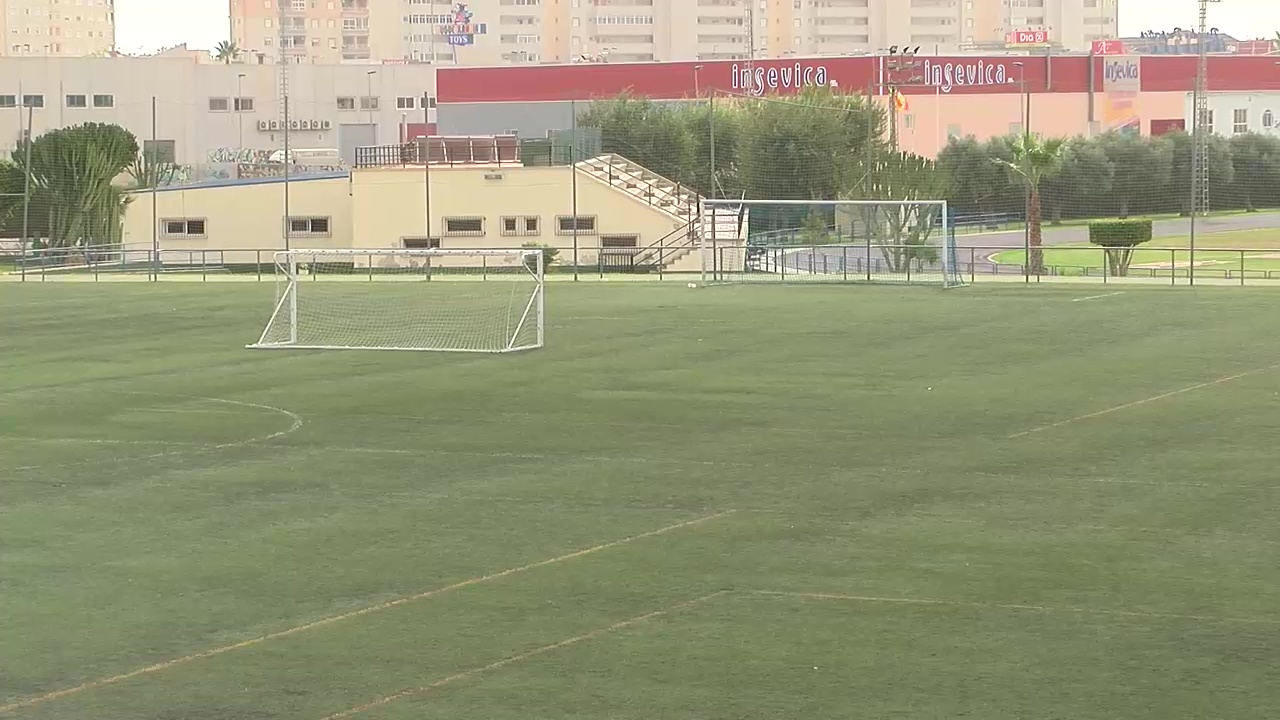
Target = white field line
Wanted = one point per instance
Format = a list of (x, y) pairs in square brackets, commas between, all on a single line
[(190, 447), (1017, 607), (402, 600), (510, 659), (1143, 401), (1098, 297)]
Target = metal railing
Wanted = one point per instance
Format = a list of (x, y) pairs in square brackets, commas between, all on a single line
[(846, 262)]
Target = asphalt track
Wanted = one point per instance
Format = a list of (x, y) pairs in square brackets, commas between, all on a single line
[(1079, 234)]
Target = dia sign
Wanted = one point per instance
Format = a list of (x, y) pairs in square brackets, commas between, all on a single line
[(1026, 37)]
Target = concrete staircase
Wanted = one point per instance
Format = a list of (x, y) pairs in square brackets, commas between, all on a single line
[(675, 252)]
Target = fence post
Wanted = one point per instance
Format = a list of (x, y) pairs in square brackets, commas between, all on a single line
[(1242, 268), (370, 261), (1173, 267), (972, 261), (204, 266), (868, 258), (257, 262), (1105, 266), (908, 254), (844, 261)]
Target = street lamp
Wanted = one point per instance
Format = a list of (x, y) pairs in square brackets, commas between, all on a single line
[(697, 88), (368, 98), (236, 106), (1024, 110), (1024, 116)]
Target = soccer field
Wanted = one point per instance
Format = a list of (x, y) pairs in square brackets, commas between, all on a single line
[(735, 502)]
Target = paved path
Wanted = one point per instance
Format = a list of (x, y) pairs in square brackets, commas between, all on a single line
[(833, 263), (1077, 234)]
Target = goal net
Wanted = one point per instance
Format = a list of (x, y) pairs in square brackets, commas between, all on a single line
[(836, 241), (445, 300)]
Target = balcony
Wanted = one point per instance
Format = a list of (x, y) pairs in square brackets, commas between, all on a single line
[(443, 150)]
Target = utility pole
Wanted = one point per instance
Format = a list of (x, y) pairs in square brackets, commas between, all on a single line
[(1200, 137), (284, 113), (751, 45)]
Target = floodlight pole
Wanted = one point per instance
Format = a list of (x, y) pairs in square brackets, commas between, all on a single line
[(425, 150), (573, 182), (26, 181), (1024, 118), (155, 210), (1200, 139)]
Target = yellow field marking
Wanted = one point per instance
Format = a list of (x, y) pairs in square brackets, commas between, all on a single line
[(465, 674), (480, 579), (1011, 606), (1144, 401)]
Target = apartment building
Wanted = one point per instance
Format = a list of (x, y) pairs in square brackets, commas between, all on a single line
[(497, 32), (57, 28)]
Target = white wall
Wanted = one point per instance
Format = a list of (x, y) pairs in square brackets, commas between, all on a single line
[(182, 88), (1256, 105)]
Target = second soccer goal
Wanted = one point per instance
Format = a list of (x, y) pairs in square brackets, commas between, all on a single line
[(489, 301)]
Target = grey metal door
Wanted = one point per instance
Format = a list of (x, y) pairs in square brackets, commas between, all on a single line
[(352, 136)]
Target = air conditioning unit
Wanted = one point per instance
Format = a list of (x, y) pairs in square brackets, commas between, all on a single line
[(263, 125), (304, 124), (326, 124), (295, 125), (274, 125)]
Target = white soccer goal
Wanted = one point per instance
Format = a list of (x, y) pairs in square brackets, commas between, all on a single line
[(829, 241), (444, 300)]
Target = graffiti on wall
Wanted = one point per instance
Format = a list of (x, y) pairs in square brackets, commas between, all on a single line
[(238, 155)]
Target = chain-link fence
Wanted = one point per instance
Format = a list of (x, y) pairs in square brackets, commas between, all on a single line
[(621, 191)]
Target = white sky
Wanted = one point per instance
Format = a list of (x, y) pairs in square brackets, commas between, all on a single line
[(151, 24)]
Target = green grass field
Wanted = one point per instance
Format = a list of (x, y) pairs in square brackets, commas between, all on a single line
[(737, 502)]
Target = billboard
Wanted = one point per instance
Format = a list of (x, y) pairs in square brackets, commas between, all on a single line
[(1122, 73)]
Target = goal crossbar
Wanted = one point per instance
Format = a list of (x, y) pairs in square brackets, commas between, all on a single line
[(741, 240), (493, 307)]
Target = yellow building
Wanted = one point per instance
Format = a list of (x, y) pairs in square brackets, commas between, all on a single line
[(473, 195)]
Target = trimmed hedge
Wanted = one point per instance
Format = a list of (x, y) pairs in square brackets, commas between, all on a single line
[(1120, 233)]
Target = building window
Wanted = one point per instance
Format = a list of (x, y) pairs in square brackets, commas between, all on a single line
[(1240, 121), (184, 228), (77, 101), (160, 151), (346, 103), (406, 103), (1268, 119), (583, 224), (368, 103), (1206, 120), (104, 101), (523, 225), (219, 104), (8, 101), (33, 101), (244, 104), (464, 226), (420, 243), (619, 242), (309, 227), (909, 121)]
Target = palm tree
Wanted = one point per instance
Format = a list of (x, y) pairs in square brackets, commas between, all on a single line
[(226, 51), (1034, 159)]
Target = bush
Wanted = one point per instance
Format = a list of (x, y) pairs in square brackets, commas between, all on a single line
[(549, 254), (1119, 237), (1120, 233)]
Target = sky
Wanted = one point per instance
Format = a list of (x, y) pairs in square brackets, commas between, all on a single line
[(151, 24)]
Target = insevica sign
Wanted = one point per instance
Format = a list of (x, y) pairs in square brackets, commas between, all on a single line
[(759, 79), (978, 73), (1121, 73)]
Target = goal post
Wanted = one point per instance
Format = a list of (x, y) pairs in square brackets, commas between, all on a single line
[(829, 241), (480, 301)]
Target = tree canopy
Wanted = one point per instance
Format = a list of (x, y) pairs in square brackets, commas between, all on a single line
[(74, 199)]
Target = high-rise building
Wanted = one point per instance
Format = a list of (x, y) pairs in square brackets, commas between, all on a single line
[(60, 28), (494, 32)]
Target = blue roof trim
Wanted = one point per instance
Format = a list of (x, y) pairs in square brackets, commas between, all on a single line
[(238, 182)]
